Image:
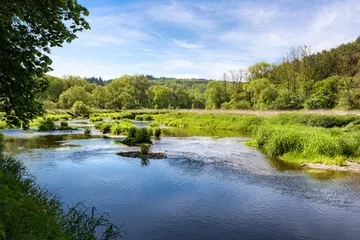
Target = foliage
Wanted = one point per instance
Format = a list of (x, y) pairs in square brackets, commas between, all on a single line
[(80, 109), (64, 124), (87, 131), (140, 135), (145, 149), (72, 95), (95, 119), (29, 212), (144, 117), (307, 144), (157, 132), (154, 124), (28, 30), (46, 125), (299, 138)]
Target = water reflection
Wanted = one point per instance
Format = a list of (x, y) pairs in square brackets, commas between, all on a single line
[(144, 162), (15, 145)]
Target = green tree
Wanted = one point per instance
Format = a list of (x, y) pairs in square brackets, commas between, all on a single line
[(349, 95), (260, 70), (80, 109), (324, 94), (73, 94), (162, 97), (28, 30), (100, 97)]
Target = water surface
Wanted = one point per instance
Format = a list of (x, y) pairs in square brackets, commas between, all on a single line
[(210, 187)]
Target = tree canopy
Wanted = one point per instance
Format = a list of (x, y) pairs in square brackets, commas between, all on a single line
[(28, 31)]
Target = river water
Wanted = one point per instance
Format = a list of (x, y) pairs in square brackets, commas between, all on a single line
[(211, 186)]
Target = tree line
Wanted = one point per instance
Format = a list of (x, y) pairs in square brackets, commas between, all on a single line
[(323, 80)]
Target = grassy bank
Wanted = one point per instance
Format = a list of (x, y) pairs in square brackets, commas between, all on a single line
[(297, 138), (30, 212)]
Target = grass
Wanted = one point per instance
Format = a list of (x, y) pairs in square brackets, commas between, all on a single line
[(295, 138), (30, 212), (95, 119), (45, 125), (144, 117)]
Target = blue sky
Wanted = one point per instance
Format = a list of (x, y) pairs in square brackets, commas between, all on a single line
[(200, 38)]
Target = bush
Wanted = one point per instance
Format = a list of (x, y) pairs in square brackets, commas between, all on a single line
[(87, 131), (154, 124), (104, 128), (95, 119), (145, 149), (157, 132), (143, 117), (80, 109), (46, 125), (64, 124), (3, 124), (141, 136)]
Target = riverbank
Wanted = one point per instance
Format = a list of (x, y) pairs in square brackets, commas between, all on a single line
[(30, 212), (332, 140)]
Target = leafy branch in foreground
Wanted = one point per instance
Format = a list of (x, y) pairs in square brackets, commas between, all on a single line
[(28, 30)]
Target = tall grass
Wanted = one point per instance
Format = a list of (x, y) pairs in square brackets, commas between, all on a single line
[(244, 123), (29, 212), (292, 137)]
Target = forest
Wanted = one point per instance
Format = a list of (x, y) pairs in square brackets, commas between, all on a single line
[(322, 80)]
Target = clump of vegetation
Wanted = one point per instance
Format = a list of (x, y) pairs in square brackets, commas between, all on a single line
[(3, 124), (244, 123), (46, 125), (314, 120), (104, 127), (87, 132), (121, 115), (144, 117), (157, 132), (57, 117), (65, 126), (140, 135), (145, 149), (154, 124), (95, 119), (80, 109), (307, 144)]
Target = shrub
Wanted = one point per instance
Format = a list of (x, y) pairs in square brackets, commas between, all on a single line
[(95, 119), (141, 136), (157, 132), (87, 131), (145, 149), (104, 128), (143, 117), (80, 109), (46, 125), (154, 124), (64, 124), (3, 125)]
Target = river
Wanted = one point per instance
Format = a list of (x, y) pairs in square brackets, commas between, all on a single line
[(211, 186)]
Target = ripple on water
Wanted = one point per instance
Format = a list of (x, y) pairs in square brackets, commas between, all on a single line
[(208, 188)]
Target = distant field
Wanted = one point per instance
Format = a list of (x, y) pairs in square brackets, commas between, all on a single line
[(271, 112)]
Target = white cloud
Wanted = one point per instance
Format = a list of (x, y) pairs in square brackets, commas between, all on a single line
[(186, 38), (179, 14), (184, 44)]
